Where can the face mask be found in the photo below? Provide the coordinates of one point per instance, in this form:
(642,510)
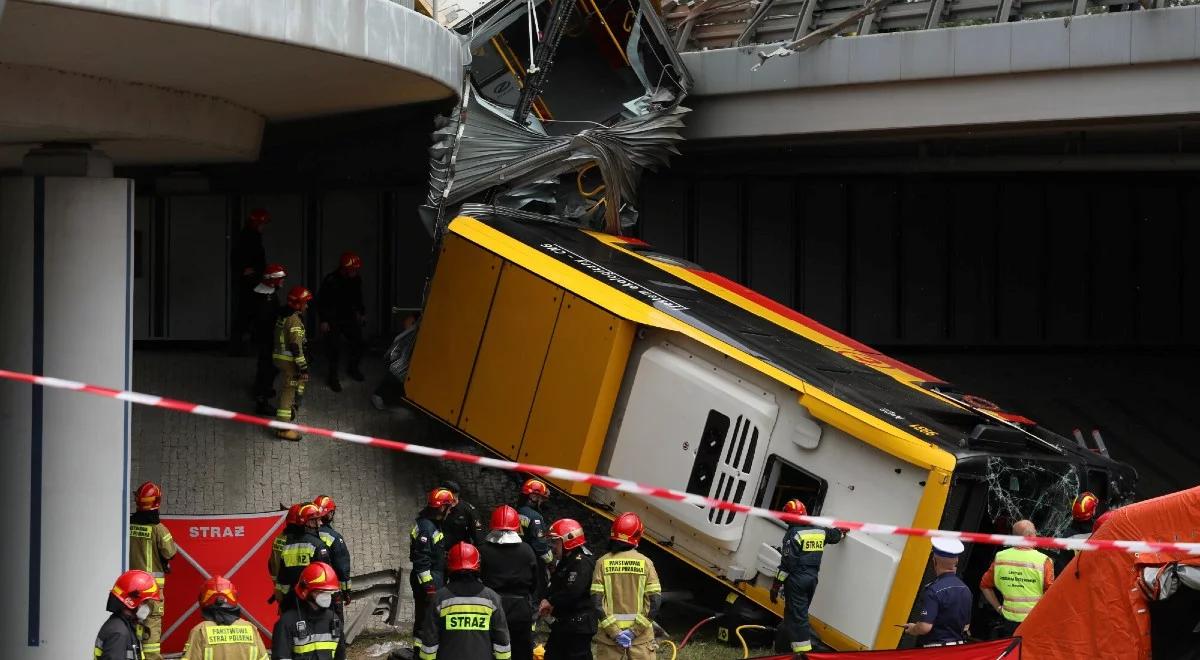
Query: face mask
(323,599)
(143,611)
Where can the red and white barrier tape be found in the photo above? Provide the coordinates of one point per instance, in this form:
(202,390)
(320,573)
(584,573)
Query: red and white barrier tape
(598,480)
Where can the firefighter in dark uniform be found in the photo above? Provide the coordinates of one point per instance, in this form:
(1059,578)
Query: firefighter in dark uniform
(799,563)
(301,548)
(511,570)
(120,638)
(533,525)
(462,524)
(466,619)
(291,526)
(1083,516)
(265,303)
(151,549)
(568,599)
(223,634)
(342,314)
(247,263)
(945,612)
(312,631)
(427,552)
(339,555)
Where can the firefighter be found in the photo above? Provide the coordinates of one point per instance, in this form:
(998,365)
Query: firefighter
(275,561)
(339,556)
(427,552)
(223,634)
(247,264)
(1083,516)
(626,595)
(466,619)
(151,549)
(799,563)
(462,524)
(568,599)
(303,546)
(945,614)
(265,305)
(534,493)
(342,314)
(511,570)
(130,602)
(290,358)
(1021,575)
(312,630)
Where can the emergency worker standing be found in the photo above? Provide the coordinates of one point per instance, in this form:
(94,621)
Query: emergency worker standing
(130,603)
(291,525)
(311,631)
(626,595)
(466,619)
(427,552)
(247,263)
(303,547)
(568,599)
(533,525)
(511,570)
(151,549)
(1083,514)
(462,524)
(339,556)
(945,602)
(342,314)
(265,304)
(799,564)
(223,634)
(1021,575)
(291,358)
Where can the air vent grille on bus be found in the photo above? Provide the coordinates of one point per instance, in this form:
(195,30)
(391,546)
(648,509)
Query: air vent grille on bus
(734,471)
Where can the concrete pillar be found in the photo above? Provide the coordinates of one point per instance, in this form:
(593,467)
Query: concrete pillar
(66,264)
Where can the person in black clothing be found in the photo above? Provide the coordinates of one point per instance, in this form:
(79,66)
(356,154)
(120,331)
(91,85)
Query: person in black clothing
(339,555)
(466,619)
(427,552)
(533,525)
(568,599)
(799,565)
(312,631)
(247,263)
(511,570)
(462,524)
(265,301)
(342,313)
(129,601)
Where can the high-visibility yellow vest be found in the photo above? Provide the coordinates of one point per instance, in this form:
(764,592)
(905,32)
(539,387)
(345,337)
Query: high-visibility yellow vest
(1020,576)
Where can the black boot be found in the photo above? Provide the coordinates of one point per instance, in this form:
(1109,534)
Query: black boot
(335,384)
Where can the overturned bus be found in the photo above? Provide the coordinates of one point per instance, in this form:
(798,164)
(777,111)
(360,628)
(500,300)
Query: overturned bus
(593,352)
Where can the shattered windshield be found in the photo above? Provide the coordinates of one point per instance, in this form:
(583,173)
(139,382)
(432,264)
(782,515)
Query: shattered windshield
(1037,490)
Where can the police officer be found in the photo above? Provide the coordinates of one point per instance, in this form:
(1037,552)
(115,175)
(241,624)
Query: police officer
(799,563)
(462,524)
(626,595)
(511,570)
(466,619)
(130,603)
(342,314)
(427,552)
(151,548)
(223,634)
(568,599)
(945,602)
(247,263)
(265,304)
(291,357)
(311,631)
(302,547)
(339,555)
(533,526)
(1021,575)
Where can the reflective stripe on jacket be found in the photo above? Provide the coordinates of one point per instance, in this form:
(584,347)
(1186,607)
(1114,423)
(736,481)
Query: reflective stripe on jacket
(239,640)
(150,548)
(626,580)
(1020,575)
(290,340)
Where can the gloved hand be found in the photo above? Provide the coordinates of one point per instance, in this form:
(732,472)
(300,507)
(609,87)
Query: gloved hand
(775,587)
(625,638)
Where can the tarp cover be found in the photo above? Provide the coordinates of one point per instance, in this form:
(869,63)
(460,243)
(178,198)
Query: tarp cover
(1095,608)
(1009,649)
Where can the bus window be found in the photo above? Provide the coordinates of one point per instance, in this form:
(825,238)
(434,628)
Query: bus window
(783,481)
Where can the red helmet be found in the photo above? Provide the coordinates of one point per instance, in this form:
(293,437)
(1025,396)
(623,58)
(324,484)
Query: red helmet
(627,528)
(795,506)
(440,497)
(535,487)
(258,217)
(136,587)
(350,261)
(569,532)
(273,273)
(1084,506)
(216,589)
(308,513)
(1102,518)
(317,576)
(298,296)
(325,504)
(293,514)
(506,519)
(463,557)
(148,496)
